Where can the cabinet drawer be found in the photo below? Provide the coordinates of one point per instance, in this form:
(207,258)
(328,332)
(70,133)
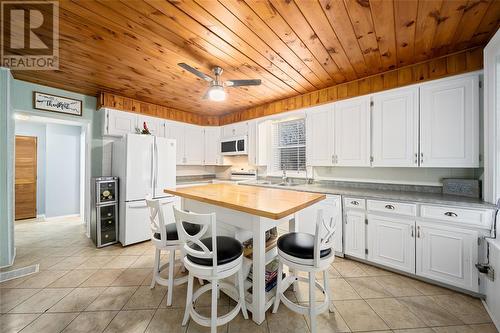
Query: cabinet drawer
(392,207)
(453,214)
(355,203)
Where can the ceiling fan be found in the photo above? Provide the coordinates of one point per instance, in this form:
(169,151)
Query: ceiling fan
(216,90)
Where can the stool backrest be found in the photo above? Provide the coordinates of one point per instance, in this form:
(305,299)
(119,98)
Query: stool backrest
(324,237)
(190,240)
(156,219)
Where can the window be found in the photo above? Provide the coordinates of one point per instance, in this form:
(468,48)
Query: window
(289,145)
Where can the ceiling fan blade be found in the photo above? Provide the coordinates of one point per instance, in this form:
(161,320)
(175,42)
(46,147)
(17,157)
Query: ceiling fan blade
(205,95)
(196,72)
(240,83)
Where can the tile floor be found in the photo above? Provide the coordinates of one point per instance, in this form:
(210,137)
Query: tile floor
(83,289)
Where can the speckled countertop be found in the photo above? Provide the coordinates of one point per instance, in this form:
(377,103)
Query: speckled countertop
(431,197)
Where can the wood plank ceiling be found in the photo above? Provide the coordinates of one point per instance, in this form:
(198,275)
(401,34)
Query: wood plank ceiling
(132,47)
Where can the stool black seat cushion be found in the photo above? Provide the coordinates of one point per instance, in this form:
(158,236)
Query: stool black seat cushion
(299,245)
(228,249)
(172,235)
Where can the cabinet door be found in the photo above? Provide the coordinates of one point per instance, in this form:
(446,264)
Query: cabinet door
(355,240)
(391,242)
(332,209)
(395,128)
(447,254)
(352,132)
(195,145)
(212,146)
(155,125)
(252,143)
(119,123)
(176,131)
(319,135)
(449,123)
(236,129)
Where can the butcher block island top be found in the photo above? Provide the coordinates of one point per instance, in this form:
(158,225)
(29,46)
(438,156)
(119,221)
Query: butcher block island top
(266,202)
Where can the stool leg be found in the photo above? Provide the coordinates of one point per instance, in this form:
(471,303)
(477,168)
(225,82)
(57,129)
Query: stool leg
(242,293)
(171,278)
(189,300)
(312,301)
(279,287)
(156,267)
(328,292)
(213,319)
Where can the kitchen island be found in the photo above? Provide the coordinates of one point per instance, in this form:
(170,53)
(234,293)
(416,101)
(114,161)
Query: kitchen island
(251,211)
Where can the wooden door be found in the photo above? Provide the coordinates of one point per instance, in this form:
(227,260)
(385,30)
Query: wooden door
(352,132)
(391,242)
(395,128)
(25,182)
(449,123)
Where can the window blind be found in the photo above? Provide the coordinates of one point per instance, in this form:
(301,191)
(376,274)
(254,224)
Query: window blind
(289,145)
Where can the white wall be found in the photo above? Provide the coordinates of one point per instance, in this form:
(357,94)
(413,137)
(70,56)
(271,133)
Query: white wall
(62,180)
(39,130)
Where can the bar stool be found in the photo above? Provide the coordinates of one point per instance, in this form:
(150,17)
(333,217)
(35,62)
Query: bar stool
(309,253)
(213,259)
(165,238)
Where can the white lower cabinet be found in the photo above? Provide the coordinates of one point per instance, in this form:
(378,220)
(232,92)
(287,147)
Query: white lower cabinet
(391,242)
(447,254)
(355,235)
(332,209)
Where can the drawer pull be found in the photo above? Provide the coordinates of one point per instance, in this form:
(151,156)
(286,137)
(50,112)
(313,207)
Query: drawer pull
(418,231)
(391,207)
(412,232)
(354,203)
(451,214)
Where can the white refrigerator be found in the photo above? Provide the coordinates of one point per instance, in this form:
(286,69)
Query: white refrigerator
(145,165)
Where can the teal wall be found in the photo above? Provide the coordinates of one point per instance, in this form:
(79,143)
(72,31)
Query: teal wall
(22,100)
(17,96)
(6,172)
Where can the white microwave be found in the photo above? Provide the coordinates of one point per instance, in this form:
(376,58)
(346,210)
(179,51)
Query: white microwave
(234,146)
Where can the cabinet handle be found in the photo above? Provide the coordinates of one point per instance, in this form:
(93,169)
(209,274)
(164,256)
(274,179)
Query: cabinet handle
(412,232)
(451,214)
(416,158)
(391,207)
(418,232)
(354,203)
(421,158)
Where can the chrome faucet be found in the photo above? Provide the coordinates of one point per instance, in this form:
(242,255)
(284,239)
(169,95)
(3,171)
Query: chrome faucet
(284,178)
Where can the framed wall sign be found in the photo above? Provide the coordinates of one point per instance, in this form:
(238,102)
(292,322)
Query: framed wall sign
(54,103)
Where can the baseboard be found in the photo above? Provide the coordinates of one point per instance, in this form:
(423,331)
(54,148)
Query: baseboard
(12,261)
(496,320)
(61,217)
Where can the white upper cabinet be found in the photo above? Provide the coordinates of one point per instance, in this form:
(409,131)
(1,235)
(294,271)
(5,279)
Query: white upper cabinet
(156,126)
(236,129)
(176,131)
(352,132)
(119,123)
(212,146)
(194,145)
(395,128)
(449,122)
(319,135)
(259,141)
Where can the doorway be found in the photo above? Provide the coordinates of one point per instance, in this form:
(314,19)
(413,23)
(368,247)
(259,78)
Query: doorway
(57,166)
(26,177)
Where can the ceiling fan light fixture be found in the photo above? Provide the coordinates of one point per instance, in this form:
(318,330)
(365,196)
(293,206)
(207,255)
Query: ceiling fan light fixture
(216,93)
